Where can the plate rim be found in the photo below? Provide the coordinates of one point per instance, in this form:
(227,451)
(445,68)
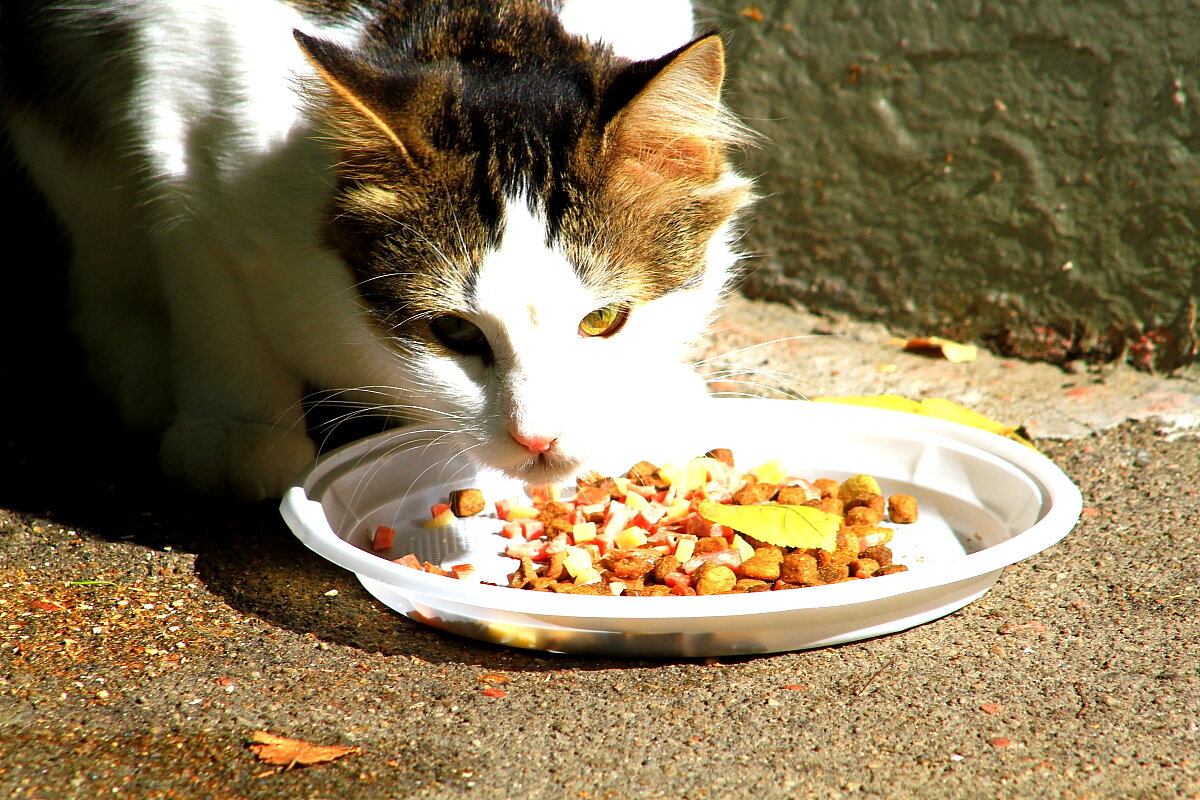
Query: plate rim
(1062,504)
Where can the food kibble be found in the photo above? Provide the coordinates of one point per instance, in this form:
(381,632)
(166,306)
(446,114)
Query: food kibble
(467,502)
(765,565)
(713,578)
(828,487)
(722,454)
(643,534)
(863,567)
(872,501)
(753,493)
(902,508)
(799,569)
(863,515)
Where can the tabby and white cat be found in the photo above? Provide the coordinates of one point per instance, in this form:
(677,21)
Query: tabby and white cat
(486,215)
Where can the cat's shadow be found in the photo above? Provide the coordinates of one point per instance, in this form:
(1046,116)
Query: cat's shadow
(89,477)
(64,457)
(69,462)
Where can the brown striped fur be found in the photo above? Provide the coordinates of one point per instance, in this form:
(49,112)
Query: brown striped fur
(442,117)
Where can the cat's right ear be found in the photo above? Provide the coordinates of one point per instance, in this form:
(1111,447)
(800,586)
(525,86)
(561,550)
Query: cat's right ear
(362,103)
(671,121)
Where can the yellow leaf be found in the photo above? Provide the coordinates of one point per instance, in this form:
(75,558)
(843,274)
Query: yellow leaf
(953,412)
(948,410)
(933,407)
(786,526)
(891,402)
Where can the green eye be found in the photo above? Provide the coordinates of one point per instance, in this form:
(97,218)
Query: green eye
(460,335)
(604,321)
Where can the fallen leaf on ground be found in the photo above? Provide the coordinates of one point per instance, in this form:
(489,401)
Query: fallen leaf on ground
(493,678)
(891,402)
(932,407)
(285,752)
(954,352)
(46,605)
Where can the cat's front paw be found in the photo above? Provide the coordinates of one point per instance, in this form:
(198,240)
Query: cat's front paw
(219,455)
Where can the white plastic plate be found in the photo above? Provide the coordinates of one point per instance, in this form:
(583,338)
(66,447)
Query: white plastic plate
(985,502)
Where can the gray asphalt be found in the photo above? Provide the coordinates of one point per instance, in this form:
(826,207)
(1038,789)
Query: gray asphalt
(147,634)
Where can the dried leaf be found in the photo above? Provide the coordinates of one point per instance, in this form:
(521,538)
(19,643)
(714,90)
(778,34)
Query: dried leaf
(285,752)
(783,525)
(46,605)
(954,352)
(493,678)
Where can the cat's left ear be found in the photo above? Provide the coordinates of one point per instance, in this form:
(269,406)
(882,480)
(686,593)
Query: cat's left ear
(674,125)
(363,100)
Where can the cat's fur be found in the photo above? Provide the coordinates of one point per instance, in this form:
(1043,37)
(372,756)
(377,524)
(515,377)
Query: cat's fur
(268,198)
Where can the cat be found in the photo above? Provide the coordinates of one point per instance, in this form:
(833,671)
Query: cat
(503,219)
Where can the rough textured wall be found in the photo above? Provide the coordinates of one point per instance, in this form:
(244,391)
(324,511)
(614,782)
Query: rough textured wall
(1018,172)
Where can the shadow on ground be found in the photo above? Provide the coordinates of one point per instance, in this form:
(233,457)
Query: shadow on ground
(65,458)
(70,463)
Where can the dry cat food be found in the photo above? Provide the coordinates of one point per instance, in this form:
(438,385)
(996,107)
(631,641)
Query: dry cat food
(699,528)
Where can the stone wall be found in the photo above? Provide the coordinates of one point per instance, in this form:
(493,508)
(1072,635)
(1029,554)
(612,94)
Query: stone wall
(1020,173)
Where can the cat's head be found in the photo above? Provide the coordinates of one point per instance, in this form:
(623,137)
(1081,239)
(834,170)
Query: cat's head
(538,235)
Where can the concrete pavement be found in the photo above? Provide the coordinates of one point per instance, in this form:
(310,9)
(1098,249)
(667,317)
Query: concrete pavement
(147,634)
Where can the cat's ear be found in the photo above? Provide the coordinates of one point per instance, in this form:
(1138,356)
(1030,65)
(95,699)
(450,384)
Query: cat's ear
(675,125)
(363,103)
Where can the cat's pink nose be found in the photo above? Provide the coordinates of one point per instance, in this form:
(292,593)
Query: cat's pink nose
(533,442)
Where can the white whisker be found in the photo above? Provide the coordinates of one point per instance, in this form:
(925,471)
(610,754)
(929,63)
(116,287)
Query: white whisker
(756,346)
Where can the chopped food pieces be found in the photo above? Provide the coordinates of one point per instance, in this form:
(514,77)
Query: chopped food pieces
(698,528)
(440,516)
(382,538)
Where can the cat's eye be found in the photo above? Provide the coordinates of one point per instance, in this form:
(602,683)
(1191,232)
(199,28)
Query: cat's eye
(460,335)
(604,321)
